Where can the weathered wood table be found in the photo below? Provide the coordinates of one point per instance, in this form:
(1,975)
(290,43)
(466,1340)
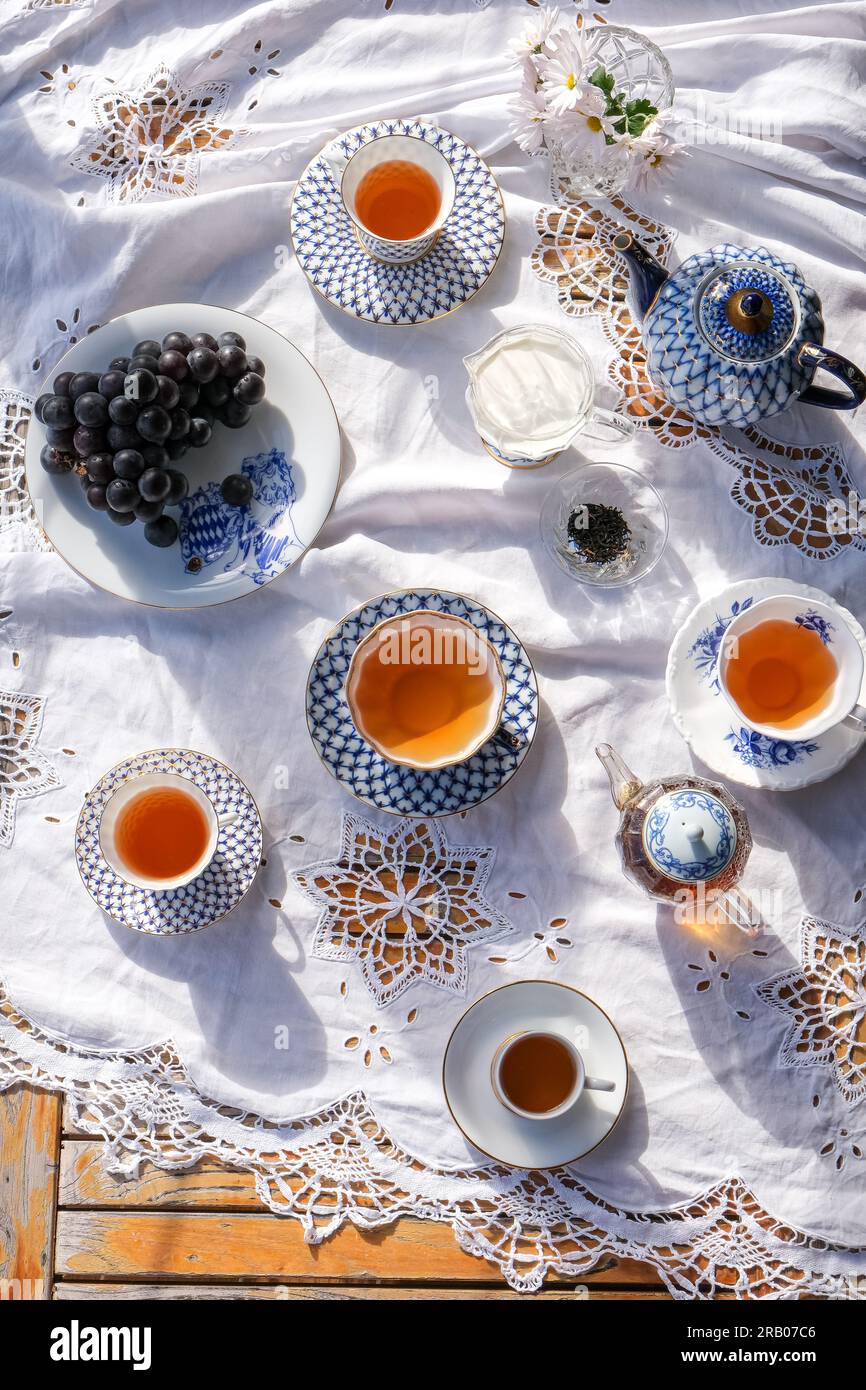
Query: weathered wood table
(68,1230)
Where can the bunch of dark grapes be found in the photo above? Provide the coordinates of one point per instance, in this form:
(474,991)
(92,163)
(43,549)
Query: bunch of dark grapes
(125,432)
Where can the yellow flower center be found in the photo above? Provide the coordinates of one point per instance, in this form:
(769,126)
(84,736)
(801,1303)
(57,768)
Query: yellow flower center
(594,123)
(571,82)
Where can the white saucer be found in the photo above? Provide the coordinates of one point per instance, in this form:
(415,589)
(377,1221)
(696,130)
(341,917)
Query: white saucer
(709,725)
(521,1143)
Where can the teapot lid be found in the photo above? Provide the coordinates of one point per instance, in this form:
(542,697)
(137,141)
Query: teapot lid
(747,311)
(689,835)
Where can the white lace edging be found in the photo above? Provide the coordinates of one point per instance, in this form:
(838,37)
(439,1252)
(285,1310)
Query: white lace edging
(340,1165)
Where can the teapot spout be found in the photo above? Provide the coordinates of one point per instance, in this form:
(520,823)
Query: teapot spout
(624,786)
(646,273)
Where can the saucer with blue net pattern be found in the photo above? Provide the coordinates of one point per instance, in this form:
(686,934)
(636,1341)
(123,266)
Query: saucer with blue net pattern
(218,888)
(341,269)
(406,791)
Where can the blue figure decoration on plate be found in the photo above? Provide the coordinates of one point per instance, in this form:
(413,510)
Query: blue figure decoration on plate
(816,622)
(403,790)
(259,538)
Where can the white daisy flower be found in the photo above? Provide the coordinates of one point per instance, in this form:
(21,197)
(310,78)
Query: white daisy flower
(565,71)
(529,116)
(582,129)
(535,36)
(654,151)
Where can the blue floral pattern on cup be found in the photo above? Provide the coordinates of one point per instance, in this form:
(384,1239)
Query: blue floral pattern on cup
(404,790)
(216,891)
(689,869)
(704,651)
(817,623)
(260,539)
(344,272)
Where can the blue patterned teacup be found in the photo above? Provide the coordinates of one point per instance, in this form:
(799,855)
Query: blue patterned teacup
(804,712)
(388,149)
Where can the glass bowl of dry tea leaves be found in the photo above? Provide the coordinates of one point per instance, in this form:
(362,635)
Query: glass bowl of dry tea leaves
(604,524)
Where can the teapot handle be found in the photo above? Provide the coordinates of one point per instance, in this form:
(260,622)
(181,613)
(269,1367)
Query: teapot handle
(816,355)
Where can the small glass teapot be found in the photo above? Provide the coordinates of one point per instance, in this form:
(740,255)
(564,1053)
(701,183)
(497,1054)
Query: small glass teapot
(679,835)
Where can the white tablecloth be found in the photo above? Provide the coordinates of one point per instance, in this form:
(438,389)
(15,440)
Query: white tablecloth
(422,504)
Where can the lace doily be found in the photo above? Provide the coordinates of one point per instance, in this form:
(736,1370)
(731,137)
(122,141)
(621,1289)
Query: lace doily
(24,771)
(19,526)
(151,142)
(341,1165)
(825,1003)
(786,499)
(404,903)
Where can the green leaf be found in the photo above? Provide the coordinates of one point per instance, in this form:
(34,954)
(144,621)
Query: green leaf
(638,114)
(603,79)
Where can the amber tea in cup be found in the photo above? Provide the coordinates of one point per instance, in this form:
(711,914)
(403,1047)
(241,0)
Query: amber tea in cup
(793,665)
(425,689)
(159,830)
(161,833)
(782,673)
(397,200)
(537,1073)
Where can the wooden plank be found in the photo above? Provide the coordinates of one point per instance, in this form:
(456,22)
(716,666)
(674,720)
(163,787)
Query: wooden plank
(66,1291)
(29,1160)
(69,1129)
(128,1246)
(84,1182)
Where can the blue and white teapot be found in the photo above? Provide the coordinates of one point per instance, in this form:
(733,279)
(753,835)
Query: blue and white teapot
(735,334)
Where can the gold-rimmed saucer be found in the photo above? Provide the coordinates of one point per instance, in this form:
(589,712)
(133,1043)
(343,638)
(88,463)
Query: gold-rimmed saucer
(535,1005)
(403,790)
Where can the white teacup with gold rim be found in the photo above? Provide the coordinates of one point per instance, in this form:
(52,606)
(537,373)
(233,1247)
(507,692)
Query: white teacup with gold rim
(425,689)
(159,831)
(540,1074)
(792,668)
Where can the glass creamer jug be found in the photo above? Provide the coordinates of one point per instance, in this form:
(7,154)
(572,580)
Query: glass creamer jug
(683,837)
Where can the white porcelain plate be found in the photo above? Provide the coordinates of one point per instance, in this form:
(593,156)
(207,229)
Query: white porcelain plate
(709,725)
(486,1123)
(290,449)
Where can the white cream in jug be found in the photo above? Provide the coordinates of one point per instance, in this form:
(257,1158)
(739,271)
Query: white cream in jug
(531,390)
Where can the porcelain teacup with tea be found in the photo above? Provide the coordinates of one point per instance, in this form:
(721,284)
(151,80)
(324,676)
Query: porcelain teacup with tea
(159,831)
(539,1074)
(398,190)
(791,668)
(425,689)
